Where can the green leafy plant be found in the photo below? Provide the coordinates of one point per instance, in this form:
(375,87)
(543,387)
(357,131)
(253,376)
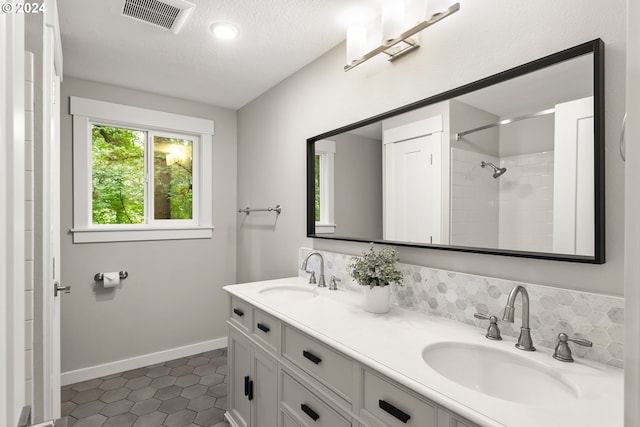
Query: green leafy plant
(376,268)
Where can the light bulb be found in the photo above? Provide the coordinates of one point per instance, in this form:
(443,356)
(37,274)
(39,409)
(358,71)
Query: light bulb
(392,19)
(356,43)
(433,7)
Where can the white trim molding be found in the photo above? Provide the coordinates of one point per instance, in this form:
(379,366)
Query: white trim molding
(87,112)
(91,372)
(126,114)
(12,243)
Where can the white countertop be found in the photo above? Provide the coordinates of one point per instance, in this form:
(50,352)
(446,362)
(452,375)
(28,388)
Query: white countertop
(393,343)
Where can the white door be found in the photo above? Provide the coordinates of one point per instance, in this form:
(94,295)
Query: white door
(573,191)
(12,326)
(413,183)
(51,221)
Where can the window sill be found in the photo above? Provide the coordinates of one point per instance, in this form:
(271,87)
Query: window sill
(325,228)
(128,234)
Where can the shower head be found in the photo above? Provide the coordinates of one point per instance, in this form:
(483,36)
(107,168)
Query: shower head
(497,172)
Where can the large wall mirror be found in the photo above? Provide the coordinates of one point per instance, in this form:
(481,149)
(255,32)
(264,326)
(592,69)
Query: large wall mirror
(512,164)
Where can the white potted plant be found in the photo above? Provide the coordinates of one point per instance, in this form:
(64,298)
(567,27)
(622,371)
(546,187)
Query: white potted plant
(376,270)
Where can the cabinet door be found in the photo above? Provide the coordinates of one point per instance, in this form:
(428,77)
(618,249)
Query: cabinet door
(240,375)
(265,388)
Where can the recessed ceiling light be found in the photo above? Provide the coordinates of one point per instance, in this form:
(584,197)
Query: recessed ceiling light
(223,30)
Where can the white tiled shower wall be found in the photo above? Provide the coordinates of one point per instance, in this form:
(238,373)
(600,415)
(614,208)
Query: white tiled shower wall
(599,318)
(514,211)
(474,200)
(526,202)
(28,225)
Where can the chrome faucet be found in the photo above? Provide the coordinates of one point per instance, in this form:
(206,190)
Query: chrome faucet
(563,352)
(321,282)
(524,341)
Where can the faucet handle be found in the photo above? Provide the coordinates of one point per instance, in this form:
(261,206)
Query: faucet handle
(563,351)
(333,285)
(493,332)
(312,278)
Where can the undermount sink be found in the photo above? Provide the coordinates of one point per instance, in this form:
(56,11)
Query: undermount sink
(290,291)
(498,373)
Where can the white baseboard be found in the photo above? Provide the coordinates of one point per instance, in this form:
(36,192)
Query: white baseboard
(103,370)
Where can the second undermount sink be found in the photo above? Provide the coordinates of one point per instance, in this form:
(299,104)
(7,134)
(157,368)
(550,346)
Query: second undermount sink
(498,373)
(290,291)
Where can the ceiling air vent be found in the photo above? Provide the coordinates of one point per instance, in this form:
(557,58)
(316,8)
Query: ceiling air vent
(167,14)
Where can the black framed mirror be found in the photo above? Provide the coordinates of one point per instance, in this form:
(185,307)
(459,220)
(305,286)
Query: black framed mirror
(512,164)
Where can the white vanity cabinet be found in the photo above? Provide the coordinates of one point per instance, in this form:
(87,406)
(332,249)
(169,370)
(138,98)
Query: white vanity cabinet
(253,381)
(282,377)
(254,339)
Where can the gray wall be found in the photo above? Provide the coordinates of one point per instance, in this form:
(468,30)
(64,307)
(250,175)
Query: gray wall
(465,117)
(173,295)
(533,135)
(481,39)
(358,187)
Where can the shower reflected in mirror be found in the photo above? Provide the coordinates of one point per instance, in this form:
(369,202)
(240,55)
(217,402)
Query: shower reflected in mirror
(497,172)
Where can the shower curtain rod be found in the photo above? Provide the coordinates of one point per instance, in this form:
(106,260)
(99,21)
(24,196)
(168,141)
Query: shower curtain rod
(504,122)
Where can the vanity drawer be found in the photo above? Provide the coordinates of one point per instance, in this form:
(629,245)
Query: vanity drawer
(331,367)
(308,408)
(266,330)
(393,406)
(288,422)
(241,314)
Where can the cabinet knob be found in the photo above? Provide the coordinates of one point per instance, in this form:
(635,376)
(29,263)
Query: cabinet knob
(310,412)
(312,357)
(393,411)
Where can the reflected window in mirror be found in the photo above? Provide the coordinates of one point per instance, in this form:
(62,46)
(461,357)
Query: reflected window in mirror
(325,151)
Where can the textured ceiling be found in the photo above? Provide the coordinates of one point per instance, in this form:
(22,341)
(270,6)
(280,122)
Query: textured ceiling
(277,38)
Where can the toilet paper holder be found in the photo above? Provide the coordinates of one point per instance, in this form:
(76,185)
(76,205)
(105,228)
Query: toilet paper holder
(99,277)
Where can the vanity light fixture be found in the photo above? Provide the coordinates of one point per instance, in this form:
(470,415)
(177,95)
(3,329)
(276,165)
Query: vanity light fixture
(224,30)
(395,42)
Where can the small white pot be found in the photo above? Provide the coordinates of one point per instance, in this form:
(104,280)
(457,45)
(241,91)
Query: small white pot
(376,299)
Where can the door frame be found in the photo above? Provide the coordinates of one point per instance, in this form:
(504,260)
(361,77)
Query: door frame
(12,243)
(50,225)
(632,223)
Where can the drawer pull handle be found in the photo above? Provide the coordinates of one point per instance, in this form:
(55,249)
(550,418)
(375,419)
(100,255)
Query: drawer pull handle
(393,411)
(246,386)
(310,412)
(315,359)
(239,312)
(250,394)
(264,328)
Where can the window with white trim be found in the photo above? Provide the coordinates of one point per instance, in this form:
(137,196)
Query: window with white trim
(325,151)
(139,174)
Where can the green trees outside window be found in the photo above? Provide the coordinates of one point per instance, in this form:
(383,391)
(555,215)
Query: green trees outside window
(118,176)
(172,174)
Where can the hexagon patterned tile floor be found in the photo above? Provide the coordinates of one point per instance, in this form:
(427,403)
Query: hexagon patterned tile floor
(190,391)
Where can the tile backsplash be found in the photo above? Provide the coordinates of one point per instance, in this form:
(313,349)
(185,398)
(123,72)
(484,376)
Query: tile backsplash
(596,317)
